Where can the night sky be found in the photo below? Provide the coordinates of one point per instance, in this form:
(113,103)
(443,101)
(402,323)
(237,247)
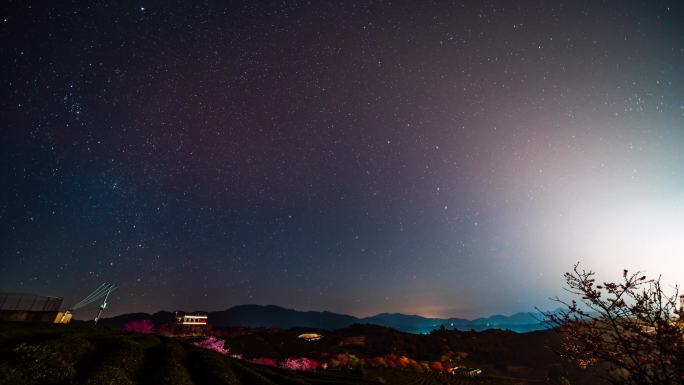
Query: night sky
(435,158)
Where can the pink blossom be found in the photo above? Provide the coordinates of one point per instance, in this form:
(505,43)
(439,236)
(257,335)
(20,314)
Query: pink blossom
(212,343)
(301,363)
(144,326)
(266,361)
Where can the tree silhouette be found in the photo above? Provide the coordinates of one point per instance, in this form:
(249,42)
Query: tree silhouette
(633,325)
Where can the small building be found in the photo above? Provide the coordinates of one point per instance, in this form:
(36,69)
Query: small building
(466,372)
(32,308)
(191,323)
(310,336)
(63,317)
(191,319)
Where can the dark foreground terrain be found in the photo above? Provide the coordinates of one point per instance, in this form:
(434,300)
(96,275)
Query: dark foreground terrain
(522,358)
(85,354)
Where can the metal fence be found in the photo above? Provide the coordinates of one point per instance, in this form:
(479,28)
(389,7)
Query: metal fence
(29,302)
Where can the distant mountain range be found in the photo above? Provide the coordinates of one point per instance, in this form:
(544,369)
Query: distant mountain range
(278,317)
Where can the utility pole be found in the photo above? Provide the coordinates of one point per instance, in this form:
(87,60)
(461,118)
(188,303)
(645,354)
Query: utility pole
(103,290)
(104,304)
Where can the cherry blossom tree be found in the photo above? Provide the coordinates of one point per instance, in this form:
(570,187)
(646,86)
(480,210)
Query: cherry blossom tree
(436,366)
(301,363)
(266,361)
(633,324)
(214,344)
(144,326)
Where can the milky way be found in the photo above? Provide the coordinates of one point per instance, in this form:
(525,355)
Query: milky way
(439,158)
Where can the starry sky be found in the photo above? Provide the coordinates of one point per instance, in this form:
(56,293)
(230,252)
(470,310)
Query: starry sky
(442,158)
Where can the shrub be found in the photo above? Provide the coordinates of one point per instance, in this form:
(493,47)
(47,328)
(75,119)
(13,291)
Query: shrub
(41,365)
(249,376)
(147,340)
(353,360)
(109,375)
(122,358)
(210,368)
(72,348)
(379,362)
(436,366)
(120,352)
(11,375)
(391,360)
(171,369)
(415,365)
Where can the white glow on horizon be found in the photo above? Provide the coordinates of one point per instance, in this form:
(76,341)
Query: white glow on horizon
(647,237)
(610,204)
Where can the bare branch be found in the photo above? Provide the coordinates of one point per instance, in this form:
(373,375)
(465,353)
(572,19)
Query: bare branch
(632,324)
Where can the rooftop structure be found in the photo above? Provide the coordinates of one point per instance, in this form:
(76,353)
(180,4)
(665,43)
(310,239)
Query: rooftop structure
(29,307)
(191,319)
(463,371)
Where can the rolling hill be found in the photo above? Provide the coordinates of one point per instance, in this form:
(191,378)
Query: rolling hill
(279,317)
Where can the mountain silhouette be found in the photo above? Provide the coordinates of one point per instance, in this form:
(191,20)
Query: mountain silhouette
(271,316)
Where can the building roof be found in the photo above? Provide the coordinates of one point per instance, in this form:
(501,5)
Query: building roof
(29,302)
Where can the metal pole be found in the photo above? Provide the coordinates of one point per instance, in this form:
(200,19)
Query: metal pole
(103,306)
(97,316)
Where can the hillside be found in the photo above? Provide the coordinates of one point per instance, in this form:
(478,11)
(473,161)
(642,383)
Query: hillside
(33,354)
(527,357)
(80,353)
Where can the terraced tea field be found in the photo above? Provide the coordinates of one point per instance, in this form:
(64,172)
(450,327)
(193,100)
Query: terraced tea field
(33,354)
(409,377)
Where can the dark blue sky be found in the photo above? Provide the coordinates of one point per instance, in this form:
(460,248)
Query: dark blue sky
(440,158)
